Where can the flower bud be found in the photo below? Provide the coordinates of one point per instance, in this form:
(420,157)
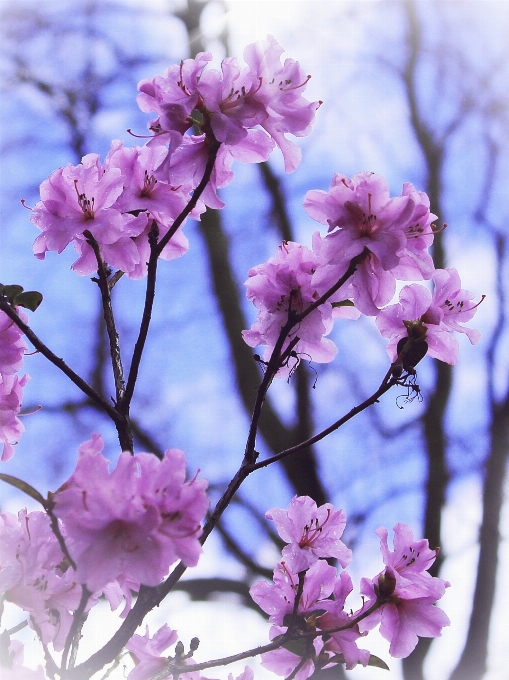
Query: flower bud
(386,585)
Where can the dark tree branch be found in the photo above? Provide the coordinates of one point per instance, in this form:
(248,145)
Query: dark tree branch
(125,432)
(156,248)
(60,363)
(373,399)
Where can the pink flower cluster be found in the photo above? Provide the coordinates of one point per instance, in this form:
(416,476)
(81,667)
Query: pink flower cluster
(393,233)
(121,529)
(226,105)
(35,575)
(279,287)
(401,598)
(116,202)
(430,316)
(408,593)
(119,201)
(143,516)
(373,241)
(12,350)
(146,652)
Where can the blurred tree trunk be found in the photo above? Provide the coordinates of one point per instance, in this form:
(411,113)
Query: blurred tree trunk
(473,662)
(433,419)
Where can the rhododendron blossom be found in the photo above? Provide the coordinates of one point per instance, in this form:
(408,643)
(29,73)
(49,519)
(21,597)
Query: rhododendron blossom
(283,286)
(279,90)
(342,641)
(431,317)
(11,427)
(146,652)
(405,616)
(278,598)
(408,593)
(392,233)
(230,101)
(12,345)
(80,198)
(135,521)
(311,532)
(144,193)
(33,575)
(410,559)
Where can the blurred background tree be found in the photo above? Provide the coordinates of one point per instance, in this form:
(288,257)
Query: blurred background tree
(416,91)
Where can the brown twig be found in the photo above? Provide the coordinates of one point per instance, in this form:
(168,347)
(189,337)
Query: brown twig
(60,363)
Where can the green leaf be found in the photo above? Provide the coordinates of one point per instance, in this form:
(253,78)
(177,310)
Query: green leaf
(23,486)
(15,295)
(10,292)
(30,299)
(343,303)
(377,663)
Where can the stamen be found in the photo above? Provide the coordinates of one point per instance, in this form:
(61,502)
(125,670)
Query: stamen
(149,183)
(295,87)
(144,136)
(415,230)
(86,205)
(29,413)
(469,309)
(311,533)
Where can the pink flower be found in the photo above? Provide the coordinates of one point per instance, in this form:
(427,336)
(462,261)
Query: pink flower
(173,97)
(133,522)
(393,233)
(80,198)
(404,618)
(32,575)
(344,641)
(141,190)
(229,102)
(144,193)
(147,651)
(312,532)
(278,598)
(278,88)
(430,317)
(11,426)
(410,560)
(224,106)
(407,592)
(281,284)
(12,345)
